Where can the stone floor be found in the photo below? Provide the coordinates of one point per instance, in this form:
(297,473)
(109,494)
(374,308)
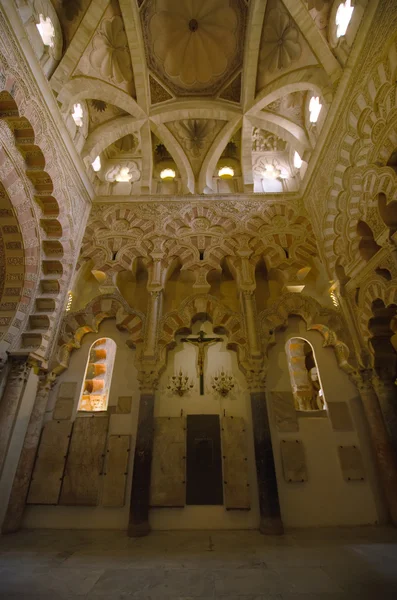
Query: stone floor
(322,564)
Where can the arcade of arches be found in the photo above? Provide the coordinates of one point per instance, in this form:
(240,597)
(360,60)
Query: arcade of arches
(198,264)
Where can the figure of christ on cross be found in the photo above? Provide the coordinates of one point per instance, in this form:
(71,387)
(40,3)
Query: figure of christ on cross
(201,342)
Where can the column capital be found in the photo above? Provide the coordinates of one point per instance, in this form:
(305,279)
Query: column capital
(155,293)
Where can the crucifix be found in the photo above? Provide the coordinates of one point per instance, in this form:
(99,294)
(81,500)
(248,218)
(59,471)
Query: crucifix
(201,342)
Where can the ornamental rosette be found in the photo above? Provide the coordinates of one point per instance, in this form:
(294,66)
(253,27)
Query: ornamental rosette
(110,55)
(195,134)
(194,39)
(280,42)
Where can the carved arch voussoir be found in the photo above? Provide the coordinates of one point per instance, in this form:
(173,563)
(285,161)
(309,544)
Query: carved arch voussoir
(76,325)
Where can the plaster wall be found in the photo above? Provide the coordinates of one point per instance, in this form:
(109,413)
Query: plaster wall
(124,383)
(237,403)
(326,499)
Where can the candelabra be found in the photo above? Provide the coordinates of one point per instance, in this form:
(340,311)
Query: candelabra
(179,384)
(223,383)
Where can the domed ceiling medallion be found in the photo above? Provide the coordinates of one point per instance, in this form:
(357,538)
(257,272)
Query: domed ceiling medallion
(194,46)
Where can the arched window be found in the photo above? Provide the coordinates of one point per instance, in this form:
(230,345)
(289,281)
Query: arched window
(304,375)
(98,376)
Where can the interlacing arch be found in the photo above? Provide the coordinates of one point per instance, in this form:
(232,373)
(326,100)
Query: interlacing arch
(364,185)
(199,238)
(370,139)
(202,306)
(76,325)
(317,318)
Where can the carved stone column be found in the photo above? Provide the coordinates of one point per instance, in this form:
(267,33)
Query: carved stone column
(384,453)
(10,401)
(138,525)
(386,391)
(269,506)
(20,487)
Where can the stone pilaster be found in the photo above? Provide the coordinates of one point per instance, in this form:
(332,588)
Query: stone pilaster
(386,391)
(152,321)
(247,298)
(384,453)
(138,525)
(10,402)
(269,506)
(20,487)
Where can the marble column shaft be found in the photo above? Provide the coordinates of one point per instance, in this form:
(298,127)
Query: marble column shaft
(10,402)
(384,453)
(269,505)
(140,493)
(20,487)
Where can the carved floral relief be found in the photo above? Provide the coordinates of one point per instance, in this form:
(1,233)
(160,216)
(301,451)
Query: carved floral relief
(110,54)
(194,134)
(194,39)
(280,42)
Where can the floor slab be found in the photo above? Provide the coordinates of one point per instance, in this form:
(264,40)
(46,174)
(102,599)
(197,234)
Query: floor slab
(319,564)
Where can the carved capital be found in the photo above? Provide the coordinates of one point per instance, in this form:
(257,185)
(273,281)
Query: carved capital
(384,386)
(20,367)
(363,380)
(148,378)
(247,292)
(46,382)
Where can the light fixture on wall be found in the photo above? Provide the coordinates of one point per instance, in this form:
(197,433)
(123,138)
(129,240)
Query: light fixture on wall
(226,173)
(342,18)
(46,31)
(223,383)
(179,384)
(124,175)
(167,174)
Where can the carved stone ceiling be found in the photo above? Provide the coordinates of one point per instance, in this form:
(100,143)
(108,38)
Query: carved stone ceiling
(193,73)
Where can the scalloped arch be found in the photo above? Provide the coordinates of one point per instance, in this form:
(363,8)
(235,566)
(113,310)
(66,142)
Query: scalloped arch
(202,305)
(313,314)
